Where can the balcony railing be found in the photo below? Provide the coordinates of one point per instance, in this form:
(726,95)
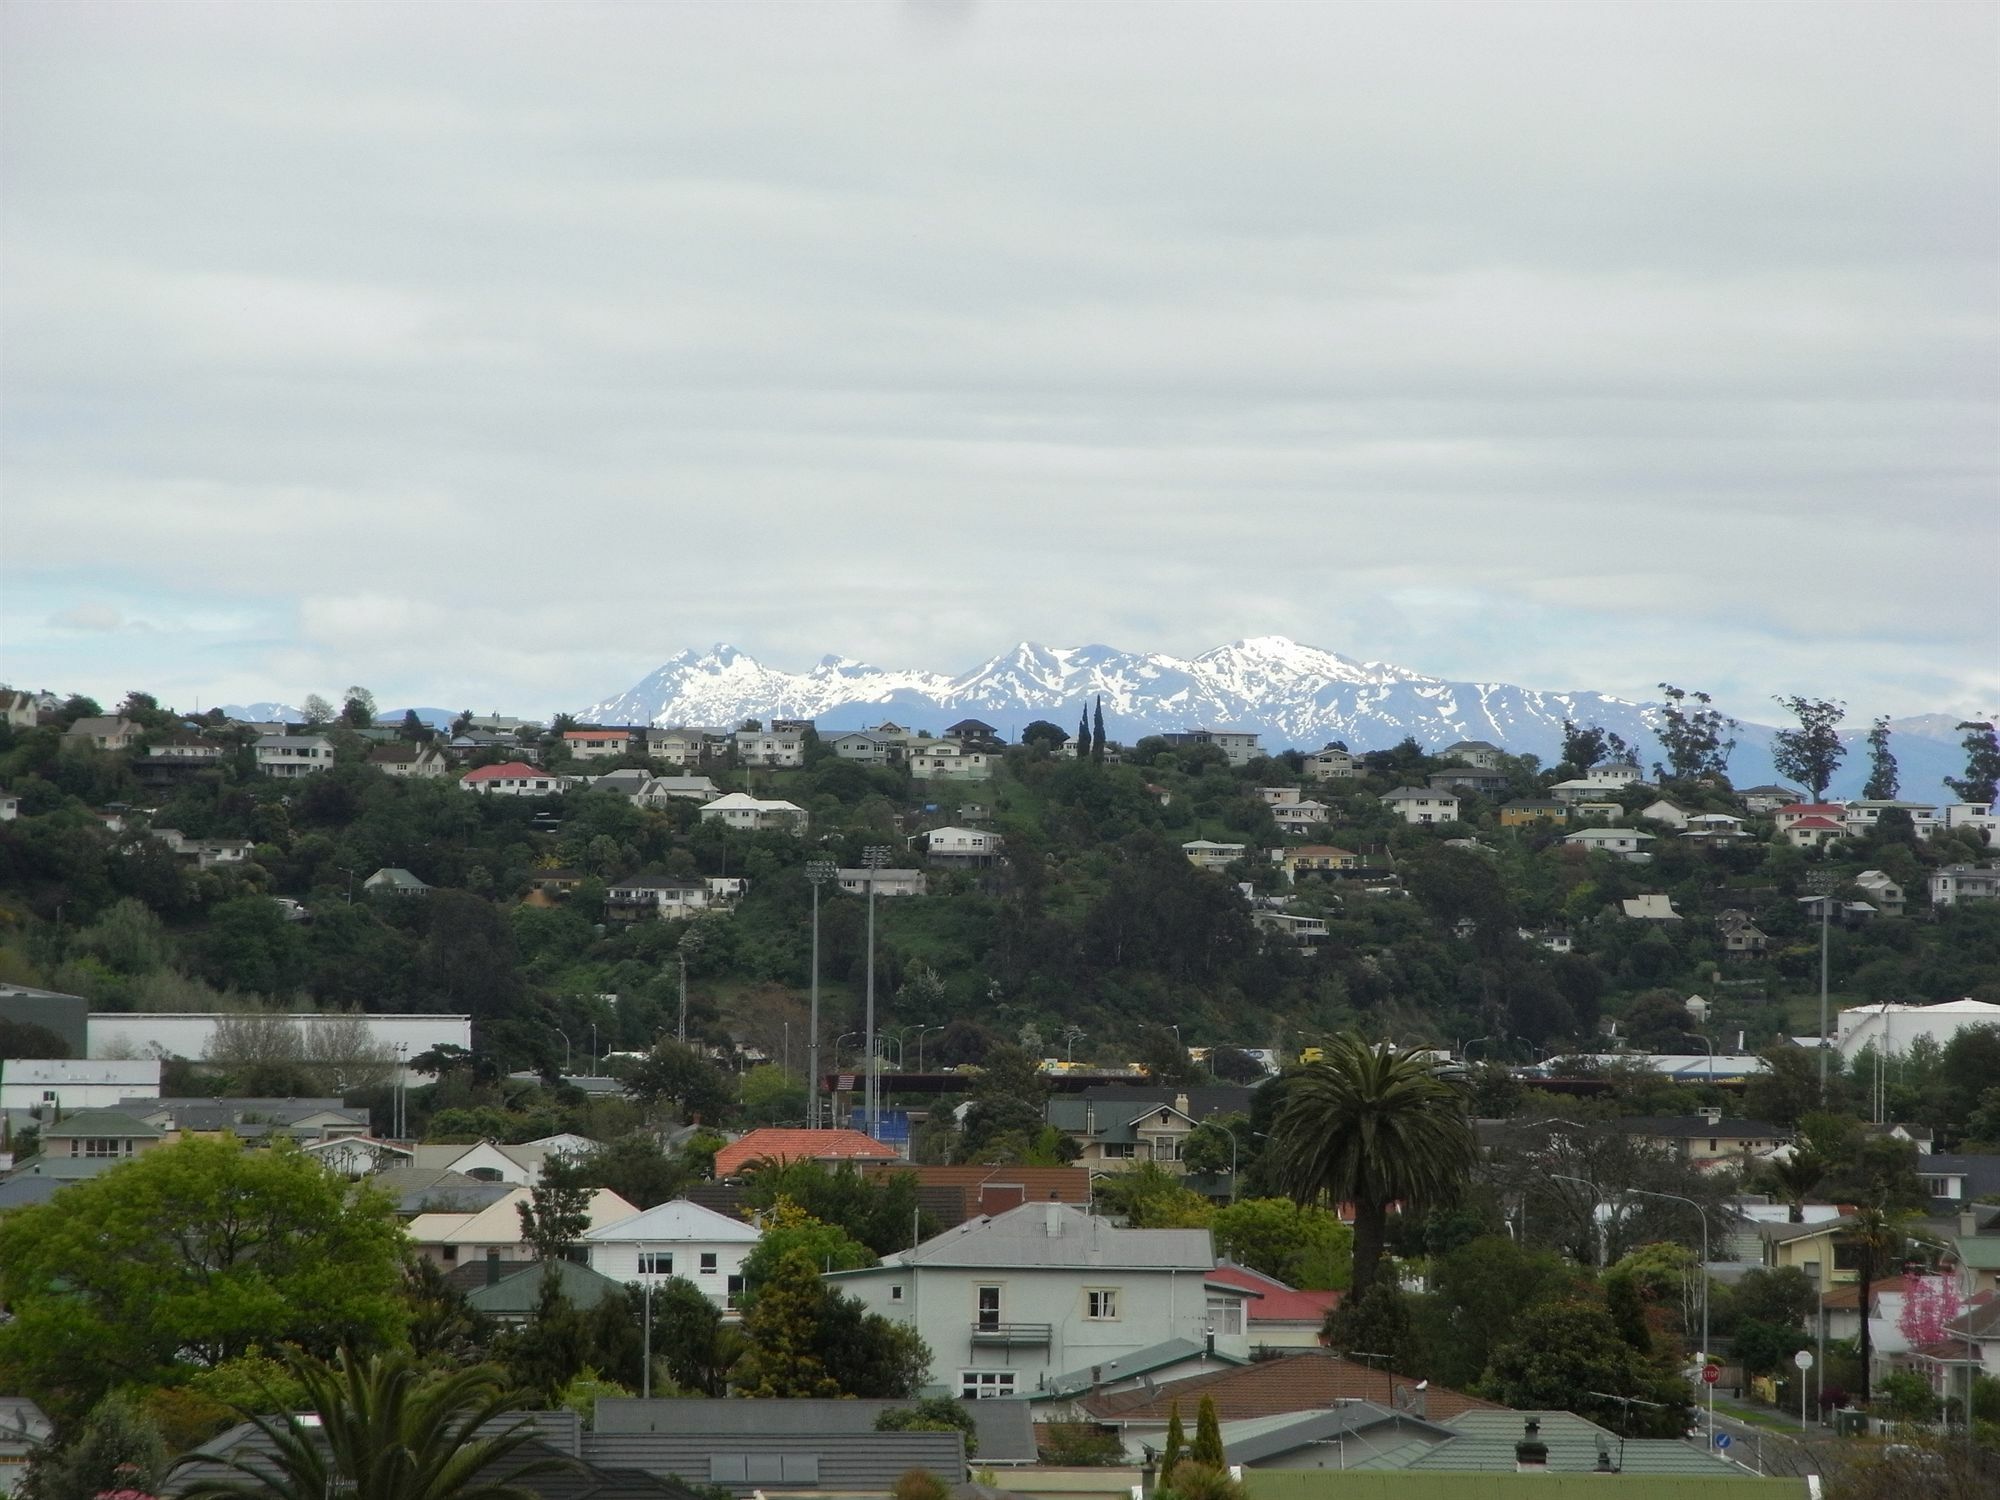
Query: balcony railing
(1012,1335)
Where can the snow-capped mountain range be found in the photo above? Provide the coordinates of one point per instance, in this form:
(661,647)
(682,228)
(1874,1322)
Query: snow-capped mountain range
(1294,695)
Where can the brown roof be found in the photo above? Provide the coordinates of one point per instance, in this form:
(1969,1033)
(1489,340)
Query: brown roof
(777,1145)
(1848,1294)
(1300,1382)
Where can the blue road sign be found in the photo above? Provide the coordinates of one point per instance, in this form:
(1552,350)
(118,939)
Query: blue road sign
(1723,1440)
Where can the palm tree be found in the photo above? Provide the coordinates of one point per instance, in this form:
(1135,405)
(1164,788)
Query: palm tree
(386,1430)
(1794,1180)
(1876,1235)
(1371,1126)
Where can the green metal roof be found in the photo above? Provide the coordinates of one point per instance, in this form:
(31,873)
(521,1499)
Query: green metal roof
(1486,1443)
(1412,1484)
(1979,1251)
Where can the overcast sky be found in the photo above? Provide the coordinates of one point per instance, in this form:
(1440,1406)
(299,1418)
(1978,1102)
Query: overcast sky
(488,354)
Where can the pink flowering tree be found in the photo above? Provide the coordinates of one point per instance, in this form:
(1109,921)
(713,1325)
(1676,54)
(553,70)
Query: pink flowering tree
(1930,1304)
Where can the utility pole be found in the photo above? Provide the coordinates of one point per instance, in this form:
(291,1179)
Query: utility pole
(818,871)
(681,1026)
(872,858)
(1822,882)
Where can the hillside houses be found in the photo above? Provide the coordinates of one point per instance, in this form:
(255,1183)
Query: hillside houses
(290,756)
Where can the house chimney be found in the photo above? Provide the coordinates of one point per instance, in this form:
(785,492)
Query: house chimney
(1968,1223)
(1054,1220)
(1181,1103)
(1531,1454)
(1711,1114)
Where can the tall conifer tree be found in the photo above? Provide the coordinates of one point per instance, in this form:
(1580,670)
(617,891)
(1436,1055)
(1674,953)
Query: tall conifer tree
(1097,735)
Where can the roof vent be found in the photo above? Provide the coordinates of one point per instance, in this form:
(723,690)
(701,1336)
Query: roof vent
(1531,1454)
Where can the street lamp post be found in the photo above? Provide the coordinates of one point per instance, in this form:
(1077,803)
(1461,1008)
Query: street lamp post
(1702,1037)
(872,858)
(1677,1198)
(818,872)
(646,1355)
(1071,1036)
(922,1031)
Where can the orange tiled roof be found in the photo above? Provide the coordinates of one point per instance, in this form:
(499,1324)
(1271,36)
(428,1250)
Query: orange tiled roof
(773,1144)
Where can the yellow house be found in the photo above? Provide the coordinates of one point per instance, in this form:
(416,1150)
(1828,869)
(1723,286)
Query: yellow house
(1816,1249)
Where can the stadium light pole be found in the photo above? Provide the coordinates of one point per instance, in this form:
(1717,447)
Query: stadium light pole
(818,871)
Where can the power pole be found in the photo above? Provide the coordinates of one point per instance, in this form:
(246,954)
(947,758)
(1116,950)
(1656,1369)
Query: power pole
(818,872)
(872,858)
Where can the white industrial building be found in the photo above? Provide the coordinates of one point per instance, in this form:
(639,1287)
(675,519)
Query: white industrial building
(187,1033)
(70,1084)
(1892,1028)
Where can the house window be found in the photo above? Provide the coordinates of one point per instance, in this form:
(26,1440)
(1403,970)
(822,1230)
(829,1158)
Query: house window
(1225,1315)
(100,1146)
(1118,1150)
(708,1262)
(984,1385)
(450,1253)
(987,1303)
(733,1295)
(896,1293)
(1101,1304)
(1168,1149)
(656,1263)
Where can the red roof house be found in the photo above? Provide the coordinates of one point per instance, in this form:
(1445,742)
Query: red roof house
(777,1146)
(1277,1313)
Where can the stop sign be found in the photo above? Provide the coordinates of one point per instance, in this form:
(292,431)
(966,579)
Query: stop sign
(1710,1374)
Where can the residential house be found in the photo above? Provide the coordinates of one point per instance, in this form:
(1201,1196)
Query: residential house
(1207,854)
(1820,1249)
(1470,779)
(774,1146)
(101,732)
(1331,764)
(1741,937)
(287,757)
(1007,1303)
(1625,843)
(1478,753)
(1767,799)
(20,709)
(973,730)
(357,1156)
(1977,818)
(498,723)
(725,890)
(1958,883)
(395,881)
(1708,1138)
(1969,1350)
(1116,1128)
(514,778)
(1240,747)
(211,853)
(864,747)
(1415,804)
(742,811)
(594,742)
(954,1194)
(1713,827)
(494,1232)
(684,746)
(171,757)
(549,887)
(409,761)
(473,743)
(856,882)
(774,749)
(623,782)
(1811,832)
(1795,812)
(1278,796)
(1953,1181)
(961,847)
(1278,1316)
(10,807)
(676,1238)
(88,1142)
(660,791)
(640,896)
(1881,892)
(485,1161)
(1865,815)
(1651,907)
(1665,812)
(25,1429)
(1304,933)
(1975,1250)
(947,760)
(1301,816)
(1314,859)
(52,1085)
(509,1292)
(1523,811)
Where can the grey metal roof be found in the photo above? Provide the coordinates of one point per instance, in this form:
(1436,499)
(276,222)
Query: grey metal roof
(848,1462)
(1160,1356)
(1260,1438)
(1055,1236)
(1485,1440)
(1005,1427)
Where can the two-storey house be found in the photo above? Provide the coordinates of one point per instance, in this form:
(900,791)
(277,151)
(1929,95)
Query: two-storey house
(101,732)
(1480,753)
(287,757)
(1416,804)
(494,1232)
(1209,854)
(1238,746)
(676,1238)
(594,742)
(1331,764)
(741,810)
(947,760)
(1314,859)
(1626,843)
(961,847)
(1301,816)
(774,749)
(1009,1303)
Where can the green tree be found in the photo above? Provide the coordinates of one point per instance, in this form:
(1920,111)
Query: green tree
(788,1230)
(1303,1245)
(1875,1237)
(555,1217)
(1150,1197)
(188,1256)
(386,1429)
(1487,1288)
(1794,1180)
(780,1327)
(357,708)
(1569,1357)
(1372,1126)
(1882,778)
(689,1336)
(1691,732)
(1207,1447)
(1009,1099)
(1097,734)
(932,1414)
(117,1448)
(1981,781)
(316,711)
(675,1072)
(1174,1450)
(1811,753)
(1041,732)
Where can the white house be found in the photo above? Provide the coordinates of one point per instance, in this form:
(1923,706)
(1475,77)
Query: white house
(1663,811)
(1239,747)
(98,732)
(1008,1302)
(658,791)
(1976,817)
(1278,796)
(677,1238)
(961,846)
(290,756)
(1211,855)
(411,762)
(945,760)
(1865,815)
(865,747)
(485,1161)
(1626,843)
(514,778)
(886,882)
(1478,753)
(597,743)
(741,810)
(1330,764)
(494,1232)
(684,747)
(10,807)
(656,895)
(1891,1028)
(1955,883)
(773,748)
(70,1084)
(1418,804)
(1881,891)
(1300,816)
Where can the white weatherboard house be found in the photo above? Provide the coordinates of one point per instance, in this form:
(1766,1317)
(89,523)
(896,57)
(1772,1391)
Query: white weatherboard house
(494,1232)
(1010,1302)
(681,1239)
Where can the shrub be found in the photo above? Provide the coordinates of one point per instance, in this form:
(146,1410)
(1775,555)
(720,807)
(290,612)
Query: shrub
(1080,1445)
(919,1484)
